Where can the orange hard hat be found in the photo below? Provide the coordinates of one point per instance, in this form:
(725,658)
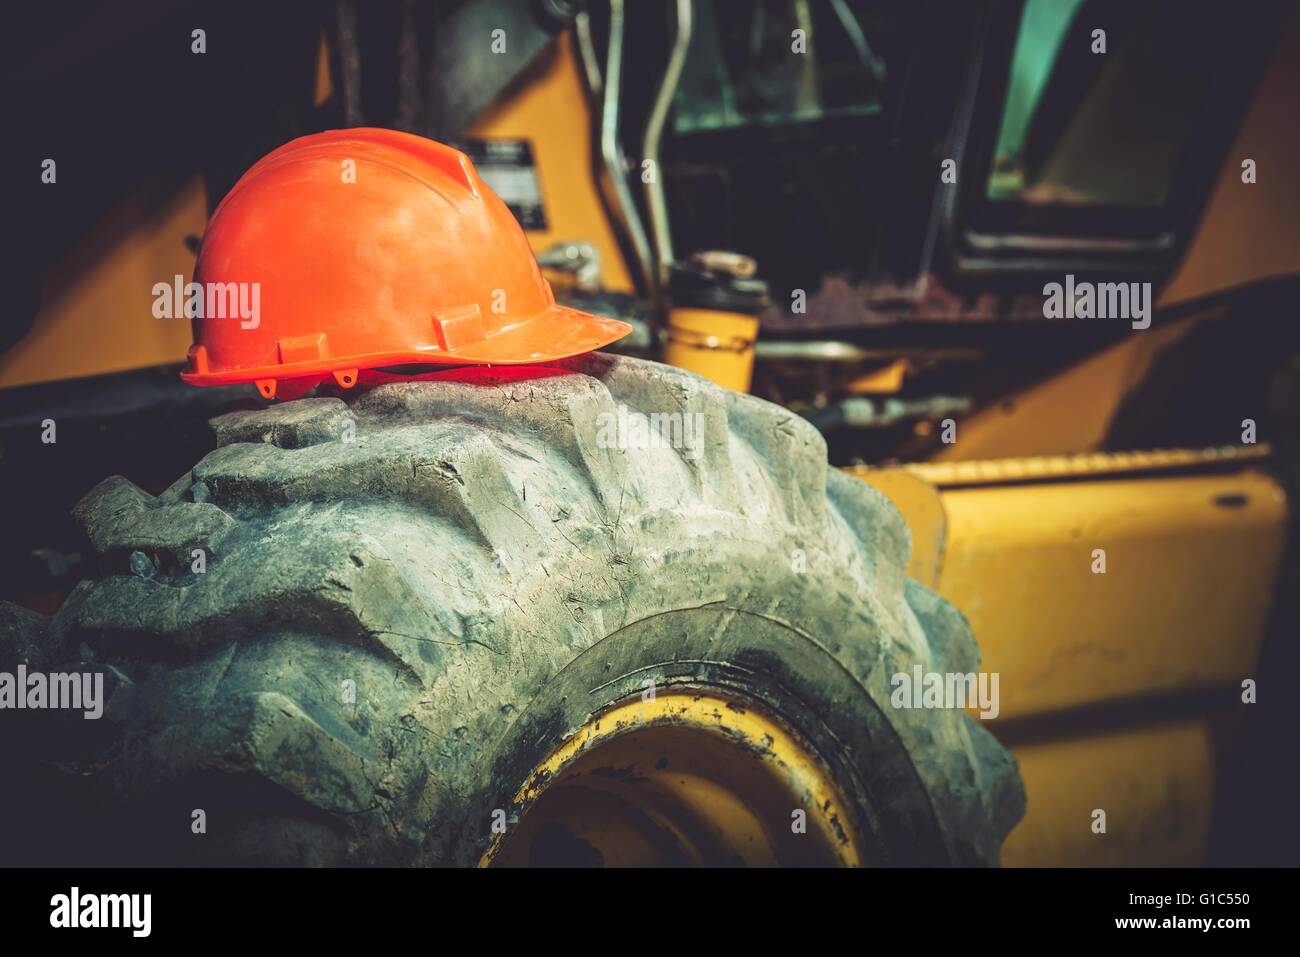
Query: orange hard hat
(353,249)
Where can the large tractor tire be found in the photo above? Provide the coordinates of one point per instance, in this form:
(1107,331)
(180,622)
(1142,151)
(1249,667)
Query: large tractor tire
(465,619)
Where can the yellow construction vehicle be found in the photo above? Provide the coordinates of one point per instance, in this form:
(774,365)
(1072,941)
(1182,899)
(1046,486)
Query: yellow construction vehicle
(1023,270)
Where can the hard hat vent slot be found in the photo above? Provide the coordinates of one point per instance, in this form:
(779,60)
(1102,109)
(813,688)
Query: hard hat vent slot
(304,348)
(198,357)
(456,328)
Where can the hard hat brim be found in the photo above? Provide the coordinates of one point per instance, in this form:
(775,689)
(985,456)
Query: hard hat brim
(557,333)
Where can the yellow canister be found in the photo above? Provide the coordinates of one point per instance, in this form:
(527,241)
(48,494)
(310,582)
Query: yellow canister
(716,345)
(713,324)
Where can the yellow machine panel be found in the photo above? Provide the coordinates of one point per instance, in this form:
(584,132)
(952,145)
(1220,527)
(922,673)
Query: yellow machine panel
(1152,783)
(1190,563)
(1190,554)
(99,318)
(550,112)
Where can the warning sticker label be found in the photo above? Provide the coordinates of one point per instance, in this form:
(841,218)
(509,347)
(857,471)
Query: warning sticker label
(507,167)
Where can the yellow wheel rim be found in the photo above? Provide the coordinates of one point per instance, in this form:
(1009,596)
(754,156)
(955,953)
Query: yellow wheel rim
(686,778)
